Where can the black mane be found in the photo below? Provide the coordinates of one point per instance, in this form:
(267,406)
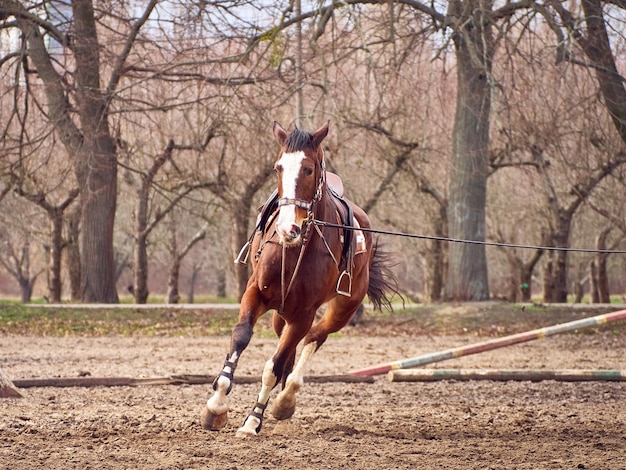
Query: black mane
(298,140)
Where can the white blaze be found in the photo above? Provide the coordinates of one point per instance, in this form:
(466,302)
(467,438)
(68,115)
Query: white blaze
(290,163)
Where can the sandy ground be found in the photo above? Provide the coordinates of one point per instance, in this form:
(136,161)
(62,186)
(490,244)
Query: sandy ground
(384,425)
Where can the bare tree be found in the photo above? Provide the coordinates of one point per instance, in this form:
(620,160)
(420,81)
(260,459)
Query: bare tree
(614,223)
(177,255)
(16,260)
(471,24)
(147,220)
(555,277)
(55,213)
(79,112)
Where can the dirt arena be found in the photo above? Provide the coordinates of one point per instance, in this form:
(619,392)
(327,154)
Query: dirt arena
(380,425)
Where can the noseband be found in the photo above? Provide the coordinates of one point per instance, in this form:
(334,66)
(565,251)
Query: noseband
(294,201)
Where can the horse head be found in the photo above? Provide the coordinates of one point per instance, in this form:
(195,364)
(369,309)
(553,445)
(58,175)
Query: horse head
(301,177)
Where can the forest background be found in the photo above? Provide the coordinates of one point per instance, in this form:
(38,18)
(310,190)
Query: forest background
(136,144)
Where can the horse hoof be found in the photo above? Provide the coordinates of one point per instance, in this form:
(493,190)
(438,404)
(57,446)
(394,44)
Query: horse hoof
(243,434)
(284,428)
(284,408)
(212,421)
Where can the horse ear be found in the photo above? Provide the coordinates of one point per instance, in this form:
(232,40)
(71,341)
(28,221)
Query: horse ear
(320,134)
(279,133)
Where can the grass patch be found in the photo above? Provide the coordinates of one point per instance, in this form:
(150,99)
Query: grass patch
(489,319)
(64,321)
(200,299)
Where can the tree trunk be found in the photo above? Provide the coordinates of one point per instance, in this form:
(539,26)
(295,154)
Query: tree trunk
(140,255)
(556,280)
(192,283)
(526,282)
(436,262)
(72,253)
(579,284)
(597,46)
(221,283)
(96,164)
(140,268)
(24,278)
(56,249)
(26,289)
(521,276)
(602,278)
(242,273)
(593,276)
(98,175)
(173,296)
(467,269)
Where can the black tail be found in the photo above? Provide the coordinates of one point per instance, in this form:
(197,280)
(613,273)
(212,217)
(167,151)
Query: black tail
(383,283)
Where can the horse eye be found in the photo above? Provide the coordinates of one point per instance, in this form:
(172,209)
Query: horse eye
(308,171)
(277,168)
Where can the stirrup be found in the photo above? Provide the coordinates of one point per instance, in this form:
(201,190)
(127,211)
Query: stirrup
(244,253)
(346,293)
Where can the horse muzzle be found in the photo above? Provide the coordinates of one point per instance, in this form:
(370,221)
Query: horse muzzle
(288,227)
(289,234)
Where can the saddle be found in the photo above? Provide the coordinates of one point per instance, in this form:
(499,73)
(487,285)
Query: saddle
(345,217)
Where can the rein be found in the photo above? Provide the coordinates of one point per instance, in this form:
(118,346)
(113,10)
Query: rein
(284,292)
(309,206)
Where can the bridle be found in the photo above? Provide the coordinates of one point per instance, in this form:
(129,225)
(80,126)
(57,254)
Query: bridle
(302,203)
(308,206)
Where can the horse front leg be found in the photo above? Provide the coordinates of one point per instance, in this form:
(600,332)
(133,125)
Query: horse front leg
(214,415)
(274,371)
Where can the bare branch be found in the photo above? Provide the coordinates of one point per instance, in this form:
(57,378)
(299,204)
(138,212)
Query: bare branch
(116,74)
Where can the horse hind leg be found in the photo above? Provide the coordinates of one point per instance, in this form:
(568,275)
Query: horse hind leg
(333,320)
(285,404)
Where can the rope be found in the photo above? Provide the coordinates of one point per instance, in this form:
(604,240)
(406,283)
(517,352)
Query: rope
(474,242)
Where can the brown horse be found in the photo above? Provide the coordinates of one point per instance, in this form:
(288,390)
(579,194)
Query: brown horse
(299,265)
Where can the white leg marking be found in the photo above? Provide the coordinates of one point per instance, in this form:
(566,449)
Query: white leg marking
(218,403)
(297,375)
(287,398)
(251,423)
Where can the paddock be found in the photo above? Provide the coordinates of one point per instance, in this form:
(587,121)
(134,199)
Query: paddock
(368,424)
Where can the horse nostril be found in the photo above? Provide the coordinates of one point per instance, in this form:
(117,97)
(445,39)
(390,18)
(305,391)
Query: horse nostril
(295,231)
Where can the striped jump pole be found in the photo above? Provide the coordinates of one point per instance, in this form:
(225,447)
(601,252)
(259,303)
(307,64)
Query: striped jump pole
(503,375)
(492,344)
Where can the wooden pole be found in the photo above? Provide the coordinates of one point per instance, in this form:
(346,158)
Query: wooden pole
(62,382)
(492,344)
(566,375)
